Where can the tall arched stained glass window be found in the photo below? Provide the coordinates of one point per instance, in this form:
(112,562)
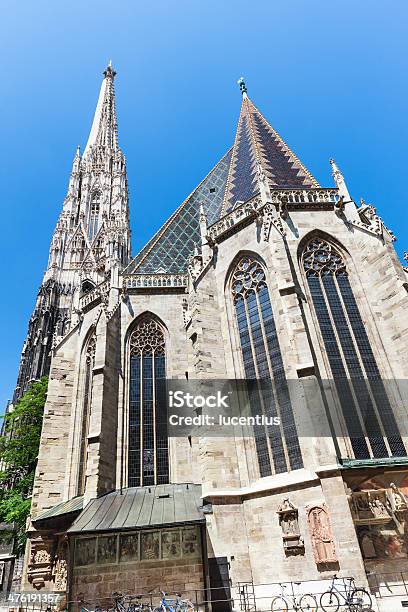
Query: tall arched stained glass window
(148,461)
(277,447)
(94,214)
(86,412)
(366,408)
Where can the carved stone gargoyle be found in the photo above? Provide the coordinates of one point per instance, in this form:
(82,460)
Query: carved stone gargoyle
(288,520)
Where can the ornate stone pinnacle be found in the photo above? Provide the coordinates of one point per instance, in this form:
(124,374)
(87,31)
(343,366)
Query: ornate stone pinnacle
(406,255)
(109,71)
(243,87)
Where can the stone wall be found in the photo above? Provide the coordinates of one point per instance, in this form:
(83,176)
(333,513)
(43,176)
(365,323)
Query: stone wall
(138,578)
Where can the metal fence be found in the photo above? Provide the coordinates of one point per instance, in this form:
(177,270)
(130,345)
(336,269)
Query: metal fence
(242,597)
(390,584)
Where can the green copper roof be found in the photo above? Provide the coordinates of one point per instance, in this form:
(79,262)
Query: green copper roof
(72,505)
(142,507)
(374,463)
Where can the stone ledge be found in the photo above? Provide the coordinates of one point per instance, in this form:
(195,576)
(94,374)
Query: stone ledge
(272,484)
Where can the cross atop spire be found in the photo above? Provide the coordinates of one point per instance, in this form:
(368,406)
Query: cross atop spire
(104,126)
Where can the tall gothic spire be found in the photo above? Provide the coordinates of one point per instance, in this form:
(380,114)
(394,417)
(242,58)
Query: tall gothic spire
(104,130)
(261,159)
(91,241)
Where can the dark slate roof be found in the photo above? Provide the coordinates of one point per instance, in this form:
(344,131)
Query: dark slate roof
(73,505)
(141,507)
(233,179)
(257,142)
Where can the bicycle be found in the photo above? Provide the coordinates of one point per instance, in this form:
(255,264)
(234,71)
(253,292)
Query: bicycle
(357,599)
(83,607)
(119,603)
(176,605)
(140,606)
(306,603)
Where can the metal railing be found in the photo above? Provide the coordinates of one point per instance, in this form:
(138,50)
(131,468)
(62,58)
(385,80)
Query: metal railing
(242,596)
(390,584)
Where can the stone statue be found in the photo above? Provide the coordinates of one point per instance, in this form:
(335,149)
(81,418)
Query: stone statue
(288,520)
(398,501)
(378,508)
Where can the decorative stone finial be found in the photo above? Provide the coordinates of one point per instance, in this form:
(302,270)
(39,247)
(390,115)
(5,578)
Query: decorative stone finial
(109,71)
(243,87)
(406,255)
(340,182)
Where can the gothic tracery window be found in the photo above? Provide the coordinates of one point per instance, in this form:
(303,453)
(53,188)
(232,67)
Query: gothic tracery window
(94,214)
(148,461)
(86,413)
(366,408)
(277,447)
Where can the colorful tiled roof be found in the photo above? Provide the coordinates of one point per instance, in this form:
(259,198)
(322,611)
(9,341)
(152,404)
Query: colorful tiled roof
(257,147)
(170,248)
(258,144)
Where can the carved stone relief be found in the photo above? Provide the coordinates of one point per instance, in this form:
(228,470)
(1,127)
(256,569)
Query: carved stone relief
(41,561)
(321,535)
(371,507)
(61,567)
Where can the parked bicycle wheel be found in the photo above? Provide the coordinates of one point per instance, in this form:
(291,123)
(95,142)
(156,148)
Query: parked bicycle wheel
(279,604)
(308,603)
(361,600)
(330,601)
(186,606)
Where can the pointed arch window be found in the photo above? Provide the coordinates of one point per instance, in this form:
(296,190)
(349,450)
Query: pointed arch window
(366,408)
(278,449)
(86,413)
(94,214)
(148,461)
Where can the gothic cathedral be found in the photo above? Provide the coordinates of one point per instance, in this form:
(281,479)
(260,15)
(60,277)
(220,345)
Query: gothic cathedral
(260,274)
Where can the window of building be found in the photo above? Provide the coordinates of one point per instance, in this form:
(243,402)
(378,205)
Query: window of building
(148,461)
(86,412)
(366,408)
(94,214)
(277,447)
(87,286)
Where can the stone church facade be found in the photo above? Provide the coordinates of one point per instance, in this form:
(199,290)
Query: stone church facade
(259,274)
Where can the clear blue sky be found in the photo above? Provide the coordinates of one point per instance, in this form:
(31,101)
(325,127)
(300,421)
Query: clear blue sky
(330,76)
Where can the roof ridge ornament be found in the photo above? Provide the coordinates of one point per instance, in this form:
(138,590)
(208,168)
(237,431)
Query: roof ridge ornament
(243,88)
